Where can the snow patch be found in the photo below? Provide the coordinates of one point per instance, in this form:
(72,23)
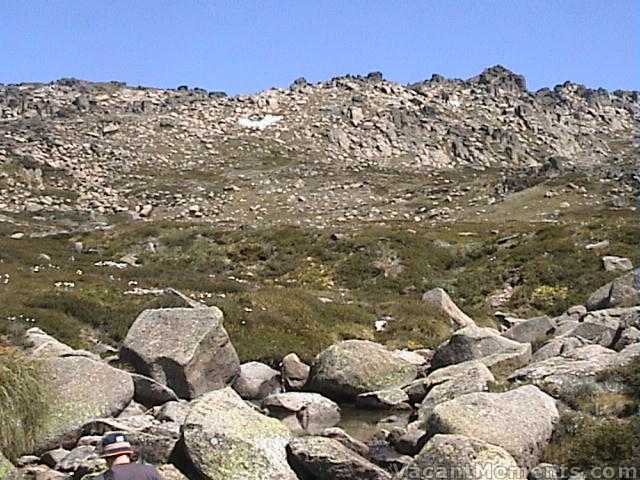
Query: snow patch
(261,123)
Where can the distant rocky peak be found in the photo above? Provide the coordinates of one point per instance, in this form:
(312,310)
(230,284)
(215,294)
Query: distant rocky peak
(502,77)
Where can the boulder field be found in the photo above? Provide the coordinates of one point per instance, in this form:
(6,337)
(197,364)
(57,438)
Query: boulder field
(484,399)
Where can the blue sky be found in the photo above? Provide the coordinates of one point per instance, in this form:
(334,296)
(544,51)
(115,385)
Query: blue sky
(242,46)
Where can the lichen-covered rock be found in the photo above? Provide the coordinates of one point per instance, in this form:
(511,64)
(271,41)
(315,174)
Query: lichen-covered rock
(501,355)
(604,327)
(80,389)
(256,381)
(303,412)
(616,264)
(224,438)
(450,382)
(568,374)
(456,457)
(42,345)
(557,346)
(349,368)
(186,349)
(322,458)
(521,421)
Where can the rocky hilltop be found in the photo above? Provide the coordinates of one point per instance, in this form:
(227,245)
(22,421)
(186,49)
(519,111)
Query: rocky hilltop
(353,279)
(108,147)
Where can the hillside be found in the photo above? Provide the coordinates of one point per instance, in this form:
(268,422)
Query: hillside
(354,195)
(357,237)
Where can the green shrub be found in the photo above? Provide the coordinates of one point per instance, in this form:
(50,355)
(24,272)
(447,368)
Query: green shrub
(23,403)
(584,442)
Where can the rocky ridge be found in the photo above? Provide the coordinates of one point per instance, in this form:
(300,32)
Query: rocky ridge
(319,150)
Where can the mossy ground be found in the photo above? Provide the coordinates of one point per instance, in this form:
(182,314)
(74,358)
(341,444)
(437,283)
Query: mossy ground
(299,289)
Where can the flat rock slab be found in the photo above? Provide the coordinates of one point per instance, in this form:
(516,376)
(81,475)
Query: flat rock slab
(520,421)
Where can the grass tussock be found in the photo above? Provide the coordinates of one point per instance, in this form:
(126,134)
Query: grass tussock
(23,403)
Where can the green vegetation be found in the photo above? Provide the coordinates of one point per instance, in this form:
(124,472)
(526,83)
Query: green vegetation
(586,442)
(297,289)
(23,403)
(604,431)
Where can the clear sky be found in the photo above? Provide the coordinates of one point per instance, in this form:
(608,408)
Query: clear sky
(243,46)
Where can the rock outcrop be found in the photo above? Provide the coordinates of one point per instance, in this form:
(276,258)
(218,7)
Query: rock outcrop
(577,371)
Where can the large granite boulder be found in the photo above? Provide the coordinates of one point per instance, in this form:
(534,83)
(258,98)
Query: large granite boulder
(352,367)
(450,382)
(441,301)
(533,330)
(322,458)
(303,412)
(501,355)
(456,457)
(186,349)
(80,389)
(224,438)
(521,421)
(624,291)
(576,371)
(256,381)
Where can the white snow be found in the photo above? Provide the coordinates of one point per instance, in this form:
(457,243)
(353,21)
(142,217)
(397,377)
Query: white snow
(261,124)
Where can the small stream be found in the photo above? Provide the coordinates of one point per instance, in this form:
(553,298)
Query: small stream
(363,424)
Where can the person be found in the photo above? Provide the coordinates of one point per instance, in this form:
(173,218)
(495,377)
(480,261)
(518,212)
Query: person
(117,451)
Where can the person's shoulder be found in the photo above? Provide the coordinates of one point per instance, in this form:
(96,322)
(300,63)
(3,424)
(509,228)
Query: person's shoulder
(149,470)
